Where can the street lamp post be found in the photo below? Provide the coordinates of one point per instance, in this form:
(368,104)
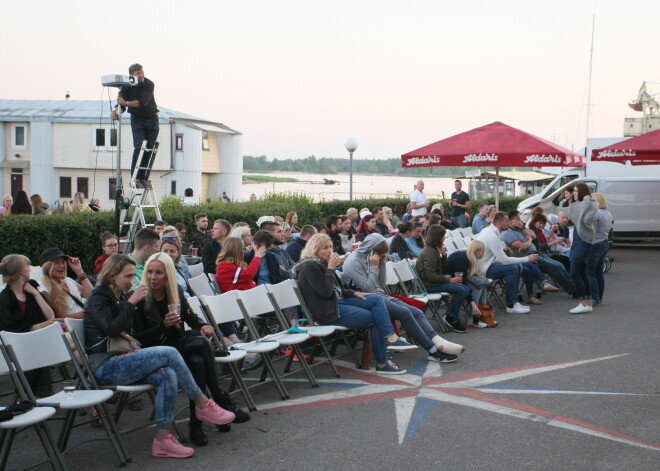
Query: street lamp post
(351,145)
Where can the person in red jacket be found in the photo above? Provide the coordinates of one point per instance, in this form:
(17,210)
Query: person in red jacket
(233,272)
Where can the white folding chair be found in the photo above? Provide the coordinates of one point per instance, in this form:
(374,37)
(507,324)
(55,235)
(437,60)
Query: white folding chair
(232,360)
(36,418)
(409,278)
(76,329)
(53,351)
(285,295)
(256,302)
(459,243)
(200,286)
(225,308)
(196,269)
(465,232)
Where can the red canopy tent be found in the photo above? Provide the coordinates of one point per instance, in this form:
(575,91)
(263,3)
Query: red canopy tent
(641,150)
(494,145)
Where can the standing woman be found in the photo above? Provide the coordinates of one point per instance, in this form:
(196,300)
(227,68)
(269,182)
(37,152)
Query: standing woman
(292,220)
(7,202)
(155,323)
(433,269)
(21,204)
(65,295)
(108,313)
(38,204)
(110,246)
(596,261)
(583,212)
(79,204)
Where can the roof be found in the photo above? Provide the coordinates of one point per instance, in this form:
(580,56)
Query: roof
(520,176)
(82,111)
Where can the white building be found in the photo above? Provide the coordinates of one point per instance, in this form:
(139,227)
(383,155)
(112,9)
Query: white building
(59,147)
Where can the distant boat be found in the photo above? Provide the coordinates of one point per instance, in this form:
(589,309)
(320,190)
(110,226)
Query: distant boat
(327,181)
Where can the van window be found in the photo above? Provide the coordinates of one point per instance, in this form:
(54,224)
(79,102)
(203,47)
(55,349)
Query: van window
(559,183)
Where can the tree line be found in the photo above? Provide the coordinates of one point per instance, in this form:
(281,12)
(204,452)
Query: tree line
(331,165)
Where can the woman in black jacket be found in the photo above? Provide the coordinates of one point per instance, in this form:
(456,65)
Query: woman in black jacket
(108,314)
(159,321)
(398,245)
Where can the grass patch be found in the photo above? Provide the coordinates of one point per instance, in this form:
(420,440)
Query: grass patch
(267,178)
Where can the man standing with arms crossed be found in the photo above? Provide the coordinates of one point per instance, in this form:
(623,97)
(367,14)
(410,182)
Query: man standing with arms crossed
(142,107)
(418,201)
(460,202)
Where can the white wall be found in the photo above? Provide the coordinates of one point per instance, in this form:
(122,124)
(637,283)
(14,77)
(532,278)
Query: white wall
(42,172)
(230,148)
(187,162)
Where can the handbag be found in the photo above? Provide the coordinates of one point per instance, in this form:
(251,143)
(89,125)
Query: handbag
(123,344)
(488,315)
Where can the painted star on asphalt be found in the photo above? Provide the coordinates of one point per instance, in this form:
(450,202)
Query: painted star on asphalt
(416,392)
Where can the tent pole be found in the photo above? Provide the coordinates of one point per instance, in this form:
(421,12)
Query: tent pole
(497,187)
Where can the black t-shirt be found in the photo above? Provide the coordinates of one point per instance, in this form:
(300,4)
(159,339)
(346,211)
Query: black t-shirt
(463,198)
(144,93)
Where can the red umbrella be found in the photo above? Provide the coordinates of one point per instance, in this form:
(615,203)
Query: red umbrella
(494,145)
(640,150)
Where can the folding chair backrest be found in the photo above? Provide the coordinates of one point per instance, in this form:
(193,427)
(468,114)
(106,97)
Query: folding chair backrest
(36,273)
(201,286)
(460,243)
(196,269)
(4,368)
(39,348)
(213,281)
(391,277)
(256,301)
(223,307)
(77,326)
(466,232)
(196,307)
(285,294)
(404,271)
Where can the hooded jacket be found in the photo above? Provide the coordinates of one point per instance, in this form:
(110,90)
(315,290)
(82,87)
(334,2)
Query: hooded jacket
(358,270)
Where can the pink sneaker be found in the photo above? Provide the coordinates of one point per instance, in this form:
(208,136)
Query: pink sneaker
(170,448)
(214,414)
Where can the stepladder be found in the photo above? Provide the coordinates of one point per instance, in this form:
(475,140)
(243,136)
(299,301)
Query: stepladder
(140,208)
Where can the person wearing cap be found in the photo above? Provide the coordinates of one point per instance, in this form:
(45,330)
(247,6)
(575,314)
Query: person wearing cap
(63,294)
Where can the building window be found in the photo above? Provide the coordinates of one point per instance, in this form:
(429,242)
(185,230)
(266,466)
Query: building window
(173,188)
(65,187)
(112,185)
(83,185)
(19,134)
(104,138)
(179,142)
(205,140)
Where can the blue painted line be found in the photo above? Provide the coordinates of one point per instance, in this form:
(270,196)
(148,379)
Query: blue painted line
(422,407)
(419,368)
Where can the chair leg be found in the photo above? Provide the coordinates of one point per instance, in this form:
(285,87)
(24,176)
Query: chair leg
(278,381)
(329,357)
(242,386)
(303,363)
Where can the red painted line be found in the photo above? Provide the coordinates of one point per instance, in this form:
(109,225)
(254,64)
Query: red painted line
(452,379)
(500,401)
(345,400)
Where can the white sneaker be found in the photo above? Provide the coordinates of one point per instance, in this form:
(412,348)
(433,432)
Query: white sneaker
(517,309)
(581,309)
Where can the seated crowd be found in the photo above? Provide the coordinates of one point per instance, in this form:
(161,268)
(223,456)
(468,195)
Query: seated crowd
(341,269)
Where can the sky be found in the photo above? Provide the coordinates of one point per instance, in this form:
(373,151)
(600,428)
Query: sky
(298,78)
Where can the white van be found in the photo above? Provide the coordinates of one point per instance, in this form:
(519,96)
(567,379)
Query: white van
(633,201)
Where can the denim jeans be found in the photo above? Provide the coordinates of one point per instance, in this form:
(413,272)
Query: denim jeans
(413,321)
(558,272)
(511,275)
(531,273)
(162,367)
(458,292)
(460,221)
(479,295)
(143,128)
(580,252)
(595,267)
(370,313)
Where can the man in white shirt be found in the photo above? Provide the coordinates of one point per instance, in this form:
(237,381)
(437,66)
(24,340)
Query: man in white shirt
(418,201)
(497,264)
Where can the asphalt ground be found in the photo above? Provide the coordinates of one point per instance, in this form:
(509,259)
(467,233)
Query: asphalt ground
(542,391)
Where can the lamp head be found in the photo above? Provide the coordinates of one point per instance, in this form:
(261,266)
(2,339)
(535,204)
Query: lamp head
(351,144)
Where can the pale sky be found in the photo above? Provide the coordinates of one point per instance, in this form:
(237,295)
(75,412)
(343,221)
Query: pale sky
(299,77)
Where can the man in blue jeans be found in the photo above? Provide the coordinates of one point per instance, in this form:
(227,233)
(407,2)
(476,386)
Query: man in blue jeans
(497,264)
(141,104)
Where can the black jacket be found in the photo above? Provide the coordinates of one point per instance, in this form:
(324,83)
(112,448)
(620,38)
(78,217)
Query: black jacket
(318,287)
(399,247)
(148,324)
(11,318)
(336,242)
(295,248)
(210,253)
(105,316)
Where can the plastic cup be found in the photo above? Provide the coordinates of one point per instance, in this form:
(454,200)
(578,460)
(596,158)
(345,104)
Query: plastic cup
(459,274)
(69,387)
(194,251)
(174,308)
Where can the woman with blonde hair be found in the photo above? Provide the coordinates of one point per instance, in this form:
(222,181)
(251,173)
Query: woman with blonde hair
(596,260)
(65,295)
(79,204)
(245,234)
(468,262)
(108,313)
(387,211)
(232,271)
(7,202)
(173,249)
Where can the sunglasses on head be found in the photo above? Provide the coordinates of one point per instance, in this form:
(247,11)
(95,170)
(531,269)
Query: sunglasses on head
(170,239)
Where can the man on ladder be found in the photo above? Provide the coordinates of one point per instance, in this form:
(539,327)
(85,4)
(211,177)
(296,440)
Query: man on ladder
(142,107)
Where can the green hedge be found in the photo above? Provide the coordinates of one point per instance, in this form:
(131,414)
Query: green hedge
(78,234)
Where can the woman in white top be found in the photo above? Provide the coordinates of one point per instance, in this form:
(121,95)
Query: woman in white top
(65,295)
(346,234)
